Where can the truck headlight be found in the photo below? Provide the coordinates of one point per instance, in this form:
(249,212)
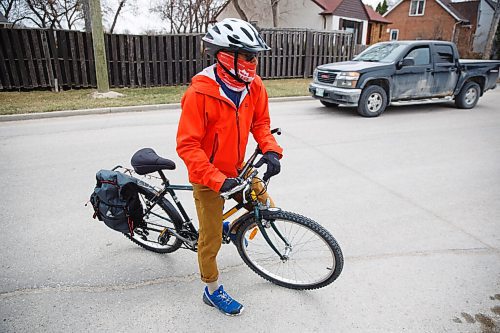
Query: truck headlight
(346,80)
(315,75)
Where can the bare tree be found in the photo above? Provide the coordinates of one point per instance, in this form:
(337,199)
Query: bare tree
(493,29)
(276,12)
(120,6)
(86,15)
(7,6)
(240,11)
(112,9)
(188,15)
(58,14)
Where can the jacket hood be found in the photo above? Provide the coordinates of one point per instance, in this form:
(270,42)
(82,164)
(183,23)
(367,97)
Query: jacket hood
(205,83)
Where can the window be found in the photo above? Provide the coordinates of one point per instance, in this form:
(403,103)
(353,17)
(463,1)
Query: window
(421,55)
(353,26)
(417,7)
(444,54)
(394,34)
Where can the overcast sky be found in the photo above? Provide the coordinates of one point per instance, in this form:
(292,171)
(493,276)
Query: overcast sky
(144,20)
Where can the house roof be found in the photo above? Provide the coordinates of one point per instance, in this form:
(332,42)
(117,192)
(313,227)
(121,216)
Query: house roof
(3,19)
(375,16)
(343,8)
(449,7)
(328,6)
(445,4)
(468,10)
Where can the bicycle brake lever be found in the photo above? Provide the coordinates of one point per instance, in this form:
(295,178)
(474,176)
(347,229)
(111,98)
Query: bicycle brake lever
(237,188)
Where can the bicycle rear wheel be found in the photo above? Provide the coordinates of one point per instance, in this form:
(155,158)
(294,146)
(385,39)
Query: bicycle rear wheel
(313,259)
(152,234)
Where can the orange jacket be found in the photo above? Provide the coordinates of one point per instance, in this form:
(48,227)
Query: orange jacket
(213,133)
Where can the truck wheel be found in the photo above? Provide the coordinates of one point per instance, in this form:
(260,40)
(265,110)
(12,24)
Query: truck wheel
(372,102)
(329,104)
(469,95)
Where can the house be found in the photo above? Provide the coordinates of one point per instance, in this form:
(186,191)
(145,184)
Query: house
(484,22)
(350,15)
(4,23)
(377,26)
(434,19)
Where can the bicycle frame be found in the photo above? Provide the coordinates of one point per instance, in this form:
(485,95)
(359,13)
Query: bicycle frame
(257,206)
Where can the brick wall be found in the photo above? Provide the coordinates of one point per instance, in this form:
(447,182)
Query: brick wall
(436,23)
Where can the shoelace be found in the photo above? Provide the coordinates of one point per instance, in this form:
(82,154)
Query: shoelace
(225,297)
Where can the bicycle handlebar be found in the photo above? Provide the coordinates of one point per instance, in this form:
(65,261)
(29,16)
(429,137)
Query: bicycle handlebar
(243,186)
(246,181)
(276,130)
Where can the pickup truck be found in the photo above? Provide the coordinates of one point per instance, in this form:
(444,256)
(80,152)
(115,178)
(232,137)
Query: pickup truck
(404,72)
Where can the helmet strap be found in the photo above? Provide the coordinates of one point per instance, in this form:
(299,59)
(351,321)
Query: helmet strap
(235,74)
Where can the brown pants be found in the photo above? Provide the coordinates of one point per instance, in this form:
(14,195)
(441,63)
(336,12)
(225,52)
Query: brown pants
(209,207)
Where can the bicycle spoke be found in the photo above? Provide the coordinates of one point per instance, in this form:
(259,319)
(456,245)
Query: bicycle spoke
(309,261)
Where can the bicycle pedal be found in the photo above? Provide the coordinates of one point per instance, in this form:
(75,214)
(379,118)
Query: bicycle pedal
(225,239)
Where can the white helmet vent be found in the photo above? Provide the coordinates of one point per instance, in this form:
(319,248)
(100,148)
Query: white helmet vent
(234,35)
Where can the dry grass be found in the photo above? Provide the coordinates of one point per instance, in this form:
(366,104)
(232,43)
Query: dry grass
(46,101)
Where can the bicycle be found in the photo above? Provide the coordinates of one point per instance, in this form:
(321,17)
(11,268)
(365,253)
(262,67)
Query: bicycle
(285,248)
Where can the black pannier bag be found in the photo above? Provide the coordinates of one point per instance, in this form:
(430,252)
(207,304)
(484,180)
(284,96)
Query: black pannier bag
(116,201)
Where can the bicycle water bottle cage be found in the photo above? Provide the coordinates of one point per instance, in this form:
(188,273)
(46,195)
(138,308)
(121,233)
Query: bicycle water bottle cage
(147,161)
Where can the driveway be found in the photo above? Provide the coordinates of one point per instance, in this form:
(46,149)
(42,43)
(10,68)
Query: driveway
(413,198)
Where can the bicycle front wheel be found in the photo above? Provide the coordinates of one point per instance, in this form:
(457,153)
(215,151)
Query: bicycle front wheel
(310,257)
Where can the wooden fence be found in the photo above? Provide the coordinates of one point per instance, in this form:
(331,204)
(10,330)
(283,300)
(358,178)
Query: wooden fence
(37,58)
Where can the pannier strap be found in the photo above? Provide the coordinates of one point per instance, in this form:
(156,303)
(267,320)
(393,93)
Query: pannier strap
(147,161)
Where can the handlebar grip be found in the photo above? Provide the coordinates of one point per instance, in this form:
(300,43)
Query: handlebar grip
(276,130)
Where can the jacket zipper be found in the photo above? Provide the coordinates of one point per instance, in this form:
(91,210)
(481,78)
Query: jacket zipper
(238,143)
(215,147)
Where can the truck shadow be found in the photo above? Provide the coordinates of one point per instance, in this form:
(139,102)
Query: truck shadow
(347,111)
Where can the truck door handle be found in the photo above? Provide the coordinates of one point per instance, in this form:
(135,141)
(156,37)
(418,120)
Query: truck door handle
(429,70)
(452,69)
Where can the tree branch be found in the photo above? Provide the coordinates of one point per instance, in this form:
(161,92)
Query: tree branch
(120,6)
(240,11)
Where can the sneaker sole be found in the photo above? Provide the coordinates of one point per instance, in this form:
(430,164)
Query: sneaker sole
(209,303)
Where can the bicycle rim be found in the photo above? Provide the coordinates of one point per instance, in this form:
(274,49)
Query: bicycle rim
(153,234)
(314,258)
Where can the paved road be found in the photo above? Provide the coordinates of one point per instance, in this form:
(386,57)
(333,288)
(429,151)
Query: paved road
(412,197)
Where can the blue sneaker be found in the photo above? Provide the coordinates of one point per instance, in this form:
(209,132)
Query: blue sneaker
(222,301)
(225,230)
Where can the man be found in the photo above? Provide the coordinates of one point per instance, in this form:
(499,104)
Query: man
(223,104)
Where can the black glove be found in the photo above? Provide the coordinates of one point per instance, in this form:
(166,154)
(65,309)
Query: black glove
(273,164)
(229,184)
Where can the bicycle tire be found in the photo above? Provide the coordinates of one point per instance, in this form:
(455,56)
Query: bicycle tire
(326,263)
(161,216)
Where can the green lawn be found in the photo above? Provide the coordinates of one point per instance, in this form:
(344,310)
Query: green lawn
(46,101)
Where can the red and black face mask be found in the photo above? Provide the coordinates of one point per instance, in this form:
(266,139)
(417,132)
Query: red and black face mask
(246,66)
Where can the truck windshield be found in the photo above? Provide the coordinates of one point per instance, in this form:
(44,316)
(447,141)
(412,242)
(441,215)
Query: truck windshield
(385,52)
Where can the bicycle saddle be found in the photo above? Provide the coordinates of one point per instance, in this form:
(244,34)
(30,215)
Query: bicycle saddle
(146,161)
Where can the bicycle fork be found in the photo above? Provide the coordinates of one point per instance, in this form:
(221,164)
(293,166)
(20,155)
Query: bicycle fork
(264,224)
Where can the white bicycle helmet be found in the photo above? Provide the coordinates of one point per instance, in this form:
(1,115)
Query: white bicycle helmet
(234,35)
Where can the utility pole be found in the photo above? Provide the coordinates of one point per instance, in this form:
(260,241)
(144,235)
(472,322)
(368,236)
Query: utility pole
(101,68)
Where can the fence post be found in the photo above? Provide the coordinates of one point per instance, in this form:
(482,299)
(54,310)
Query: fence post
(48,60)
(308,54)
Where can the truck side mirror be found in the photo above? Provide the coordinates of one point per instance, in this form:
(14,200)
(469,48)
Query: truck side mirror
(406,62)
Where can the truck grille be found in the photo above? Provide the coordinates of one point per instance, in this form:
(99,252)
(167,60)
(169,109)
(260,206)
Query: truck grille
(326,77)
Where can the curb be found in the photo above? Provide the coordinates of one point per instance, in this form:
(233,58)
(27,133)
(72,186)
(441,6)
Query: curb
(121,109)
